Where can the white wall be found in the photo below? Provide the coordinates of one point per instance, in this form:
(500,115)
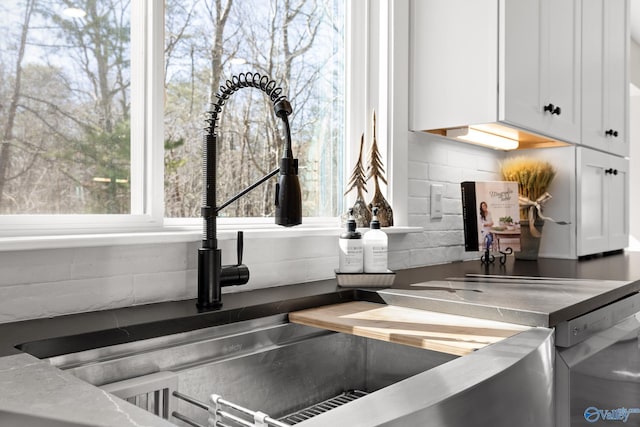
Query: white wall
(435,160)
(634,136)
(46,283)
(52,282)
(634,166)
(634,63)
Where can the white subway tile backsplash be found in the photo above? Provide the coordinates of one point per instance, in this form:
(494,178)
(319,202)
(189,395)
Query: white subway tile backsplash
(191,285)
(110,261)
(427,149)
(448,222)
(73,296)
(21,302)
(481,176)
(421,153)
(419,220)
(444,174)
(418,205)
(488,163)
(462,160)
(452,191)
(451,206)
(165,286)
(403,242)
(438,154)
(426,256)
(192,255)
(419,188)
(438,239)
(44,283)
(418,170)
(18,268)
(399,260)
(287,272)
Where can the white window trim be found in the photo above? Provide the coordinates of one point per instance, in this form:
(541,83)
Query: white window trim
(369,24)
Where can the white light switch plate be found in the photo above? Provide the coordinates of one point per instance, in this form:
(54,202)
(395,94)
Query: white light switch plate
(436,201)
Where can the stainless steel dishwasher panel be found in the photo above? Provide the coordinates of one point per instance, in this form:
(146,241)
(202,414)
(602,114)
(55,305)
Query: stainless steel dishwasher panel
(598,380)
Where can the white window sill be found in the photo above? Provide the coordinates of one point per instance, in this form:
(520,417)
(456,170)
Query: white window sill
(174,234)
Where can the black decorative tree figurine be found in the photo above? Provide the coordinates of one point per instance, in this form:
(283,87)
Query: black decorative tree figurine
(376,171)
(361,212)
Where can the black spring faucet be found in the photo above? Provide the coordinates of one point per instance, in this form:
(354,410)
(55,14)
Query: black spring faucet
(212,275)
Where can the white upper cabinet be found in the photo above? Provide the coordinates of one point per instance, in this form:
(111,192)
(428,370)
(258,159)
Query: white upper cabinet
(605,41)
(540,75)
(513,62)
(523,69)
(453,63)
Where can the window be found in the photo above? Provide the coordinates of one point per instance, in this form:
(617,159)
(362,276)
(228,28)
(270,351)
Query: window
(86,91)
(65,109)
(299,44)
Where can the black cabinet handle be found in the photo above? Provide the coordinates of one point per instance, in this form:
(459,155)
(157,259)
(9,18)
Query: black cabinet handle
(611,171)
(553,109)
(611,132)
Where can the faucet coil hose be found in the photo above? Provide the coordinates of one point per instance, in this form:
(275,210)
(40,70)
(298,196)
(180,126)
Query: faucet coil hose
(240,81)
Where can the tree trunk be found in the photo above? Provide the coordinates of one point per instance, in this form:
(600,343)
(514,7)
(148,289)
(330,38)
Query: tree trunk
(220,20)
(7,135)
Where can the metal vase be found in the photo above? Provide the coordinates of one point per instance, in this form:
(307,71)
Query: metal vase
(529,244)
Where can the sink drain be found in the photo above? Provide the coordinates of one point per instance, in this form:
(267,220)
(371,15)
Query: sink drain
(322,407)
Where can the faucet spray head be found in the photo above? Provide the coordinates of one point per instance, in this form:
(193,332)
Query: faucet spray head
(288,198)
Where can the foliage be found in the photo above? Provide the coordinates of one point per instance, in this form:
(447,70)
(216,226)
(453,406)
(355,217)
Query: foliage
(65,102)
(67,129)
(293,43)
(533,176)
(111,185)
(506,220)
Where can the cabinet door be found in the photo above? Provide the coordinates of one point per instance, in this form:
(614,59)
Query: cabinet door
(453,63)
(604,75)
(616,86)
(603,195)
(592,212)
(618,203)
(593,98)
(541,42)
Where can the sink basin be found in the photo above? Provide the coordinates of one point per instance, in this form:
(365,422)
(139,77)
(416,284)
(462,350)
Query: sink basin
(281,368)
(267,365)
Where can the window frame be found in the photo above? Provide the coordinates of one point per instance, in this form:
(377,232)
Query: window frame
(366,24)
(146,158)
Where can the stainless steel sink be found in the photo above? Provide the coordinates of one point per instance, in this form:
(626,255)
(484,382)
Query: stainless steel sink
(267,365)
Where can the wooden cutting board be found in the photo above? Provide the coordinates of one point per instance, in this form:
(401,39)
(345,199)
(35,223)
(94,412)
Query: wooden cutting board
(446,333)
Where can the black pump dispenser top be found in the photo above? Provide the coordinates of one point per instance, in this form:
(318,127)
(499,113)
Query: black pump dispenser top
(351,232)
(375,224)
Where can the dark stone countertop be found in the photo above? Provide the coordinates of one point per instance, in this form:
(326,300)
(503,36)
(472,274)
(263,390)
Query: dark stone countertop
(47,337)
(26,379)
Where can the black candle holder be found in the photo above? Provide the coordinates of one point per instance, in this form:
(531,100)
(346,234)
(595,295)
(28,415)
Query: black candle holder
(488,258)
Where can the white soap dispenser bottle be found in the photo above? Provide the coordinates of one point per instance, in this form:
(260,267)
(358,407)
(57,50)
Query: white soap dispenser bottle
(351,249)
(376,246)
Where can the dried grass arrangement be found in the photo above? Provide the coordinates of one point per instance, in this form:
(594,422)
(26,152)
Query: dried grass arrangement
(533,177)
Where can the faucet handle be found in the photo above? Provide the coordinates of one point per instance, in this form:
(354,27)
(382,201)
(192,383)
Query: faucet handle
(240,246)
